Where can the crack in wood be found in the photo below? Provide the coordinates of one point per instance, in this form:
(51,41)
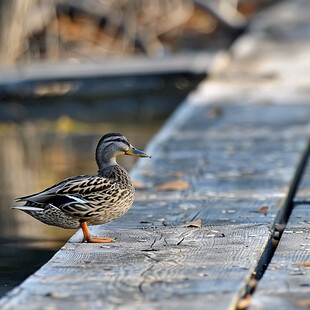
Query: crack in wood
(179,242)
(140,286)
(150,249)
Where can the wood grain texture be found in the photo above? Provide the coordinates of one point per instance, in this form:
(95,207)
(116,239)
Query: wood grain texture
(240,153)
(147,268)
(157,263)
(286,283)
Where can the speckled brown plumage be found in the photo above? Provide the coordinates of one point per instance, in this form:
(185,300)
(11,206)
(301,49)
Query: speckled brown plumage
(88,199)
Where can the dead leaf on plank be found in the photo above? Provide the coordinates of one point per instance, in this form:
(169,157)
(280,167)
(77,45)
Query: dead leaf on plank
(244,303)
(138,185)
(263,210)
(174,185)
(196,223)
(303,303)
(253,283)
(304,264)
(214,112)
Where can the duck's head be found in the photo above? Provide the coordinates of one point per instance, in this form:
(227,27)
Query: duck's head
(112,145)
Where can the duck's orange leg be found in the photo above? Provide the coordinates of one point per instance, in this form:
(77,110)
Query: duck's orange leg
(89,238)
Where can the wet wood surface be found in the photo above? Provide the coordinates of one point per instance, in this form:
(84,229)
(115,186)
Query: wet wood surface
(235,144)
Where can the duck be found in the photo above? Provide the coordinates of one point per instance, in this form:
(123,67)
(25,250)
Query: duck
(83,200)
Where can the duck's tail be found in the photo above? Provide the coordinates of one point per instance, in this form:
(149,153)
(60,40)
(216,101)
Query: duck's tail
(27,208)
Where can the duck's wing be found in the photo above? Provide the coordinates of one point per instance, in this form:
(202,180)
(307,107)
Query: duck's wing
(71,191)
(76,196)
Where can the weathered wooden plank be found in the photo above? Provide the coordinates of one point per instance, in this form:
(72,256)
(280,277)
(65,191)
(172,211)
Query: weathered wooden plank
(286,283)
(210,210)
(227,247)
(289,31)
(195,63)
(240,153)
(168,267)
(149,87)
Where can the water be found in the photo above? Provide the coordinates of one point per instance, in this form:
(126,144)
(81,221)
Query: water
(33,156)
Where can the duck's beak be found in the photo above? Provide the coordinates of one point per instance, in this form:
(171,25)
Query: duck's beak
(134,152)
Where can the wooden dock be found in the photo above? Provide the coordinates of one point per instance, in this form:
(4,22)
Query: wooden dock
(216,194)
(95,91)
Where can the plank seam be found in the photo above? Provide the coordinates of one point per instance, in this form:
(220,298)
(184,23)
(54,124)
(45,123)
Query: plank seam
(279,226)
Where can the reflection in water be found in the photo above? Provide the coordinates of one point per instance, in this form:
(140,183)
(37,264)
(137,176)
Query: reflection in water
(34,156)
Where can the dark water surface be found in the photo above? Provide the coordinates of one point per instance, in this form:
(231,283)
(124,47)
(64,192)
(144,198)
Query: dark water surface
(33,156)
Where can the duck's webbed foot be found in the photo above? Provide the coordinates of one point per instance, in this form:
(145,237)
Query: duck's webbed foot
(98,240)
(89,238)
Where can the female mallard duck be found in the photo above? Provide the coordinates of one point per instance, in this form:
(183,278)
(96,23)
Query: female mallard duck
(88,199)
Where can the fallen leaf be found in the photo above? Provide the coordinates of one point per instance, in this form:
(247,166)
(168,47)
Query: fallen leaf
(174,185)
(214,112)
(263,209)
(304,264)
(252,283)
(280,227)
(138,185)
(244,303)
(196,223)
(303,303)
(274,243)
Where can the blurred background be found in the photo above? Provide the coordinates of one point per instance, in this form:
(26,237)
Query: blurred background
(73,70)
